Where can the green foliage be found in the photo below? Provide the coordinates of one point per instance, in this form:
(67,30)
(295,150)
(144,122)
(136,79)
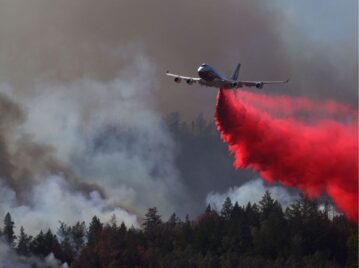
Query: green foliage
(249,236)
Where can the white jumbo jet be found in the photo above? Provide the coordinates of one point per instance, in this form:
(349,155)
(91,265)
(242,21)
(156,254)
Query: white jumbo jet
(208,76)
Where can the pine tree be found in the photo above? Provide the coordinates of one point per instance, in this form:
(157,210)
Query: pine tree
(123,228)
(23,245)
(268,205)
(95,230)
(227,209)
(304,209)
(309,207)
(253,214)
(78,232)
(50,242)
(208,209)
(271,237)
(8,231)
(64,234)
(37,245)
(152,219)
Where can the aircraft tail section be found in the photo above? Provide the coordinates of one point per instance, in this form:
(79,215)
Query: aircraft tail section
(235,73)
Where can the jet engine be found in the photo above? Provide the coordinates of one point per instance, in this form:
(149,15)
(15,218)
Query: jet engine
(234,85)
(259,85)
(189,81)
(178,79)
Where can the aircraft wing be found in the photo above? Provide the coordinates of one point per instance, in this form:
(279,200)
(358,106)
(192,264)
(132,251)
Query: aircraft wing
(178,78)
(275,82)
(259,84)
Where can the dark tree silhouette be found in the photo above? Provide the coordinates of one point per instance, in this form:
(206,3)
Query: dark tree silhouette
(8,231)
(152,220)
(23,244)
(94,232)
(241,236)
(227,208)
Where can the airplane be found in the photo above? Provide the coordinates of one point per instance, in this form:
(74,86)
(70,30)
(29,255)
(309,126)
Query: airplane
(208,76)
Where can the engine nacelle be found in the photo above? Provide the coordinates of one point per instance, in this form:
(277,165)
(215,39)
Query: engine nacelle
(178,80)
(234,85)
(190,81)
(259,85)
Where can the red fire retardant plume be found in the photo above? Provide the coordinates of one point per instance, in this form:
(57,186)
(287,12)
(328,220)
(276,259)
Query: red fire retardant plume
(297,142)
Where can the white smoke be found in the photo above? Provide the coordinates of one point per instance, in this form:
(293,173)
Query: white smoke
(109,134)
(53,200)
(9,258)
(251,191)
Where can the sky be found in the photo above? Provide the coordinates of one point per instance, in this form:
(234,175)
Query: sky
(324,21)
(70,71)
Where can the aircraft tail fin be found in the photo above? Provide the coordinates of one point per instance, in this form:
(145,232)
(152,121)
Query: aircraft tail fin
(235,73)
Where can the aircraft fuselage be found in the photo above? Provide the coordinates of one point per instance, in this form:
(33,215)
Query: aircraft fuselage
(211,77)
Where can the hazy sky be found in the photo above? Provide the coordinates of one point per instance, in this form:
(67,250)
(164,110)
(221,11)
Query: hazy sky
(325,21)
(314,43)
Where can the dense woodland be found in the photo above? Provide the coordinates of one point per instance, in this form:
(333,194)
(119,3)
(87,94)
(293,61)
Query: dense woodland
(255,235)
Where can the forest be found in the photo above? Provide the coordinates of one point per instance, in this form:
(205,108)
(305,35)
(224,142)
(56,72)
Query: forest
(304,234)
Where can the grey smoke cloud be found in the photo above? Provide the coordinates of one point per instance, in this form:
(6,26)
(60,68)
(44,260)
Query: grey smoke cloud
(89,146)
(110,133)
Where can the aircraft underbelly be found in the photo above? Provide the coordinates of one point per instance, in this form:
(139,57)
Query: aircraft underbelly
(221,84)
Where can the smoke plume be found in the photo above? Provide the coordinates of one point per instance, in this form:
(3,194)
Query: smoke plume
(309,145)
(90,146)
(9,258)
(251,191)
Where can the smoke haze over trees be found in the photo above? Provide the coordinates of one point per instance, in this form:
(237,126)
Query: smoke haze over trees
(259,234)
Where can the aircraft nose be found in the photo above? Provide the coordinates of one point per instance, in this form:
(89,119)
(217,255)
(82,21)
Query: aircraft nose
(202,67)
(201,70)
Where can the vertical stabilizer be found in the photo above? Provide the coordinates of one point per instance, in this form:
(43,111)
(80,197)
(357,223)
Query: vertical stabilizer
(235,73)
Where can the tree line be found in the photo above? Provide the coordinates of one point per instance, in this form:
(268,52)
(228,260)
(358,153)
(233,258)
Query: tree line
(255,235)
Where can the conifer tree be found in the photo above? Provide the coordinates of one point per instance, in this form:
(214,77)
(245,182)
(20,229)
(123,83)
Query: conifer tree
(8,231)
(37,244)
(268,205)
(227,209)
(152,219)
(208,209)
(94,231)
(123,228)
(23,244)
